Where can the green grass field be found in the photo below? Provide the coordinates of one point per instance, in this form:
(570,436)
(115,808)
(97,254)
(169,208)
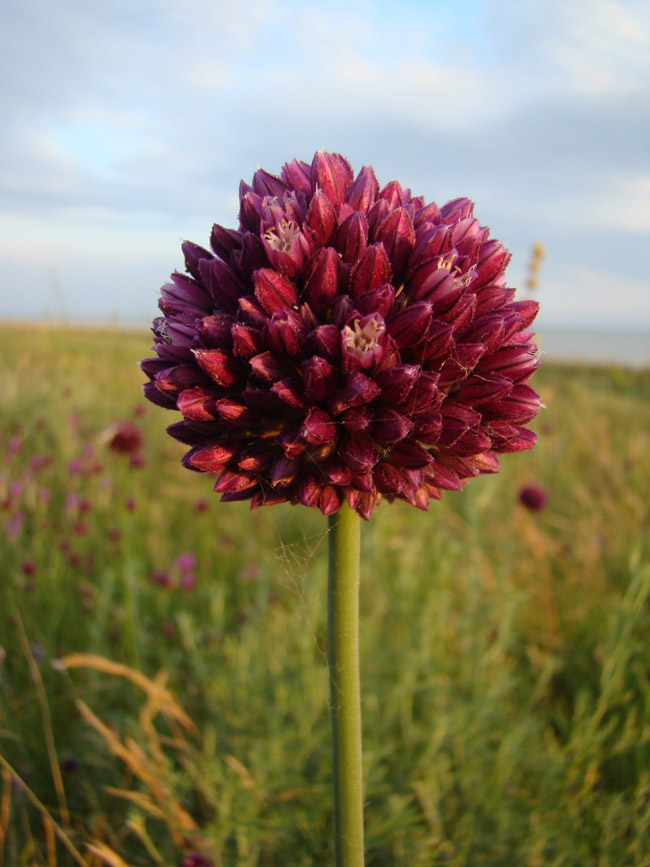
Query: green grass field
(505,653)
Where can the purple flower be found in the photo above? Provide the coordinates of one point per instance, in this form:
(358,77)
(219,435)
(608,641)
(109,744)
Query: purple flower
(533,497)
(345,343)
(124,437)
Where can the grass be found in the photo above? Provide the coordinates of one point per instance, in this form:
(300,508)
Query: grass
(505,661)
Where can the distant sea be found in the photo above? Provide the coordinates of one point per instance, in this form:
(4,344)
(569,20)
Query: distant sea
(595,347)
(628,349)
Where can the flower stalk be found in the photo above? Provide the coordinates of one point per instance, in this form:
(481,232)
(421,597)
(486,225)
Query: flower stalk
(345,694)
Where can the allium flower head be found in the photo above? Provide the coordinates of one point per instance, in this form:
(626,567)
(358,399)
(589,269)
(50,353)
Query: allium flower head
(347,342)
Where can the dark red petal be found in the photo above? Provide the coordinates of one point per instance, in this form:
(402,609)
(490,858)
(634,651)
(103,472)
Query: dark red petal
(319,377)
(329,500)
(193,254)
(175,379)
(224,241)
(308,490)
(379,300)
(251,313)
(221,367)
(357,421)
(388,478)
(357,390)
(352,237)
(492,261)
(216,331)
(213,457)
(322,279)
(397,235)
(256,458)
(269,367)
(197,403)
(222,283)
(318,427)
(411,325)
(520,405)
(284,333)
(155,396)
(247,341)
(362,192)
(397,382)
(297,175)
(273,290)
(477,389)
(321,218)
(371,271)
(266,184)
(230,482)
(335,472)
(291,393)
(284,471)
(508,437)
(235,413)
(410,454)
(326,342)
(390,426)
(359,454)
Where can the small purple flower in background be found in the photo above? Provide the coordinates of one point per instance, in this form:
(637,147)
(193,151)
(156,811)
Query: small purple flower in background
(187,581)
(345,343)
(196,859)
(533,497)
(14,525)
(69,764)
(185,562)
(184,565)
(124,437)
(160,579)
(28,567)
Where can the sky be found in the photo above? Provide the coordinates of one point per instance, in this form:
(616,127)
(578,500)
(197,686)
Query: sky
(127,126)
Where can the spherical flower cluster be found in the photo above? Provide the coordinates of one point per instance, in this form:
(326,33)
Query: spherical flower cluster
(346,343)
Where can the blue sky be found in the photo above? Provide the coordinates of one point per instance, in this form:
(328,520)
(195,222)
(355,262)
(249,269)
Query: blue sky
(128,125)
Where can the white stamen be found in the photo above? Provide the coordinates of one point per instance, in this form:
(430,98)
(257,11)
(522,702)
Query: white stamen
(359,341)
(282,236)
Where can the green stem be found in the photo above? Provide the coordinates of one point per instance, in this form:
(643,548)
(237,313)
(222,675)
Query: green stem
(345,696)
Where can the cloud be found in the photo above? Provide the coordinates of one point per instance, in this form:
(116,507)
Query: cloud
(127,118)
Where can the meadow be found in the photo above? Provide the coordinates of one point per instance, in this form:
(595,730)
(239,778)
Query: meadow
(163,686)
